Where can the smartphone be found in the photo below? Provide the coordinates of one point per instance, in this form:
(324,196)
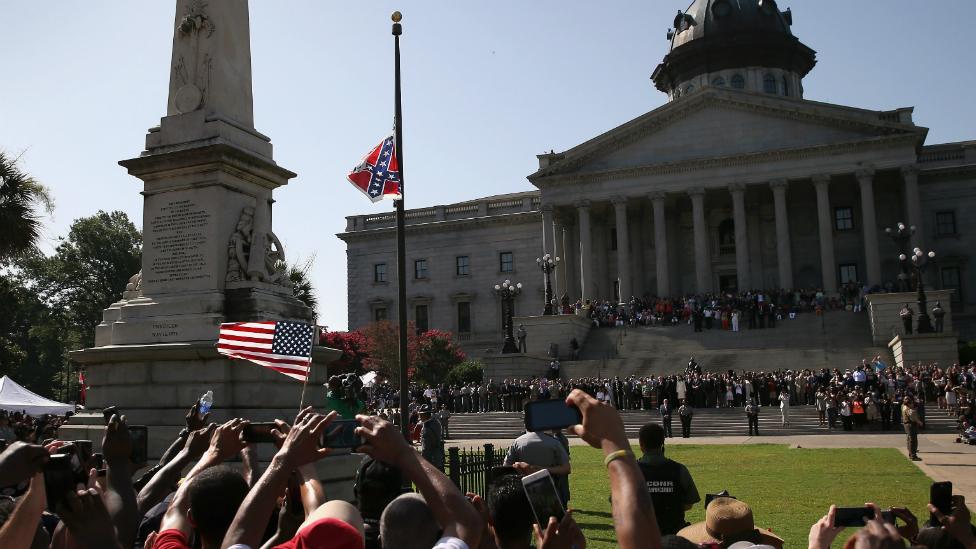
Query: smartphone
(107,413)
(140,444)
(60,478)
(546,415)
(84,450)
(258,433)
(857,516)
(98,460)
(543,497)
(341,433)
(940,495)
(710,497)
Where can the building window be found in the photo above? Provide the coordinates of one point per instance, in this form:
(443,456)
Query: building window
(718,81)
(952,280)
(420,269)
(738,82)
(462,265)
(420,319)
(464,317)
(379,314)
(506,262)
(848,273)
(769,83)
(945,223)
(843,219)
(613,239)
(379,273)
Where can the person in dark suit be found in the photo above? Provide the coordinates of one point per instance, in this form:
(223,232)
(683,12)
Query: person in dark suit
(665,411)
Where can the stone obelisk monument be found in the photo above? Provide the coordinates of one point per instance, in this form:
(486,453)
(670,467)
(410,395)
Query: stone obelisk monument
(209,252)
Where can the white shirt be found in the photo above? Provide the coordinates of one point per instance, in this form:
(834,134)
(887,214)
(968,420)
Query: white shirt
(450,543)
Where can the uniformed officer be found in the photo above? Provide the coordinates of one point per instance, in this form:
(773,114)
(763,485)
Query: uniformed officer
(752,414)
(906,318)
(910,418)
(669,483)
(665,411)
(939,314)
(431,438)
(684,413)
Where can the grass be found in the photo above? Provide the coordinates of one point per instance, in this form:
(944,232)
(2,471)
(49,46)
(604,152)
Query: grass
(788,489)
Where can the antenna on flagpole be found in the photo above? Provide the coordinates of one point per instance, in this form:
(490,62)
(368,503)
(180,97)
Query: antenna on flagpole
(401,251)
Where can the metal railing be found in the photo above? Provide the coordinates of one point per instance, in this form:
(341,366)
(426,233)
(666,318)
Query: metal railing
(469,468)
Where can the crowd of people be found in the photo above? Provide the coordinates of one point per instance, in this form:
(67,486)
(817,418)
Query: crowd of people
(193,498)
(27,428)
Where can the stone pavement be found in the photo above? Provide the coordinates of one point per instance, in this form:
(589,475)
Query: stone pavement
(942,459)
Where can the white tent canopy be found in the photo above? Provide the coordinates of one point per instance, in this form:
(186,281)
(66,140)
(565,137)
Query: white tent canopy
(15,398)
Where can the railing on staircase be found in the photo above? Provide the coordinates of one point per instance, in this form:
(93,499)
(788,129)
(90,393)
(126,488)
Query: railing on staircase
(470,468)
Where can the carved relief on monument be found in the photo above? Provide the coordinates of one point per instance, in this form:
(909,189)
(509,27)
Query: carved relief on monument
(260,261)
(133,288)
(194,72)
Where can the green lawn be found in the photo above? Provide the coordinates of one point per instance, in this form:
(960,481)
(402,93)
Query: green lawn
(788,490)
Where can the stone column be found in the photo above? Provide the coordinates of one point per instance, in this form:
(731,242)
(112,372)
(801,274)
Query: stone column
(586,249)
(623,248)
(828,267)
(703,268)
(547,231)
(738,191)
(660,246)
(783,255)
(559,276)
(872,257)
(913,204)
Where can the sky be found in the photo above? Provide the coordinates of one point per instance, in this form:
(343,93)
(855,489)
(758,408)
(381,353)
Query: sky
(487,85)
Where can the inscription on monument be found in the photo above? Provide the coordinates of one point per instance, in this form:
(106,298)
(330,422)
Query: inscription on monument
(178,235)
(165,329)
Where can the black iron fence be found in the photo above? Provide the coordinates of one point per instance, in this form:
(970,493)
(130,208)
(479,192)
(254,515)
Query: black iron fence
(469,468)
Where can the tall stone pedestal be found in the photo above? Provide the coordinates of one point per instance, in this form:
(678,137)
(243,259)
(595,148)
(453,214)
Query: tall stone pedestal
(544,331)
(925,348)
(883,312)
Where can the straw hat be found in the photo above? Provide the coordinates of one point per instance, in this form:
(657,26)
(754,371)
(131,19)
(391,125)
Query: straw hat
(729,520)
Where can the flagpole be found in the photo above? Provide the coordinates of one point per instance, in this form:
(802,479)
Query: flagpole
(401,251)
(308,374)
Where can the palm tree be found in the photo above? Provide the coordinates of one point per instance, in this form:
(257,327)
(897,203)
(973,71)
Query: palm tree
(21,198)
(300,284)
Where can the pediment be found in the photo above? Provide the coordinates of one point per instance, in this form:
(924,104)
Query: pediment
(719,124)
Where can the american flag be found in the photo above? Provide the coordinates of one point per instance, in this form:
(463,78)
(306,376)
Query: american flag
(285,347)
(378,175)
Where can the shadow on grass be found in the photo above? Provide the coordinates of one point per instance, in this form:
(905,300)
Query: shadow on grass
(603,514)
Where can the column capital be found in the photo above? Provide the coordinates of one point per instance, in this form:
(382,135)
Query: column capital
(547,207)
(619,200)
(737,187)
(696,191)
(865,175)
(911,170)
(583,204)
(657,195)
(820,179)
(777,184)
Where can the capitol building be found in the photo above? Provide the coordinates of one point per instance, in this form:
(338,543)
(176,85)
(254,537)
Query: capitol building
(738,182)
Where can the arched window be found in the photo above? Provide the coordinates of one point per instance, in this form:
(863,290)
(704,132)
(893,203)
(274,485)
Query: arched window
(769,83)
(738,82)
(786,87)
(718,81)
(689,88)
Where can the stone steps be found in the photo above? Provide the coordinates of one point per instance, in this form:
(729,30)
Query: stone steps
(706,422)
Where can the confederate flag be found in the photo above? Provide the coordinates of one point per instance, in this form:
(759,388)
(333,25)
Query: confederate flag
(378,175)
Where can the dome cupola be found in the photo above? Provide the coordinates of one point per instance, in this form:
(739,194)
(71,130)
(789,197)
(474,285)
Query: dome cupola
(740,44)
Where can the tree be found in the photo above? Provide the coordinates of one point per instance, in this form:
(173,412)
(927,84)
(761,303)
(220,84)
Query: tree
(21,198)
(353,347)
(437,354)
(466,372)
(383,349)
(301,285)
(88,272)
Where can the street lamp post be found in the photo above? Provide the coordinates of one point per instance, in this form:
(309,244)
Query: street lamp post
(901,234)
(507,292)
(918,261)
(548,264)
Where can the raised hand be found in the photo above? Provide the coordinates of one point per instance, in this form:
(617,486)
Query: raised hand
(117,443)
(562,535)
(382,440)
(602,426)
(21,460)
(199,440)
(225,441)
(301,446)
(823,532)
(193,420)
(88,520)
(957,523)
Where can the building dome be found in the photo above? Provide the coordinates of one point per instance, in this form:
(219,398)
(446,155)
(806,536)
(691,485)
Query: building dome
(744,44)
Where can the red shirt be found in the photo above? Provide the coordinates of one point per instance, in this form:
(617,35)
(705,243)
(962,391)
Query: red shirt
(328,533)
(171,539)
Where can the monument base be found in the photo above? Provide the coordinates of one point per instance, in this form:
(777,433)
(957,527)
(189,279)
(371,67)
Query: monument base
(545,331)
(521,366)
(883,311)
(940,347)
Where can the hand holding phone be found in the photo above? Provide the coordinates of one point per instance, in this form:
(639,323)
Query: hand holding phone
(543,497)
(940,495)
(859,516)
(258,433)
(341,433)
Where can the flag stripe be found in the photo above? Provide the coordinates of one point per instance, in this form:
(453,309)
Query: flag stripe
(250,329)
(233,337)
(244,345)
(277,359)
